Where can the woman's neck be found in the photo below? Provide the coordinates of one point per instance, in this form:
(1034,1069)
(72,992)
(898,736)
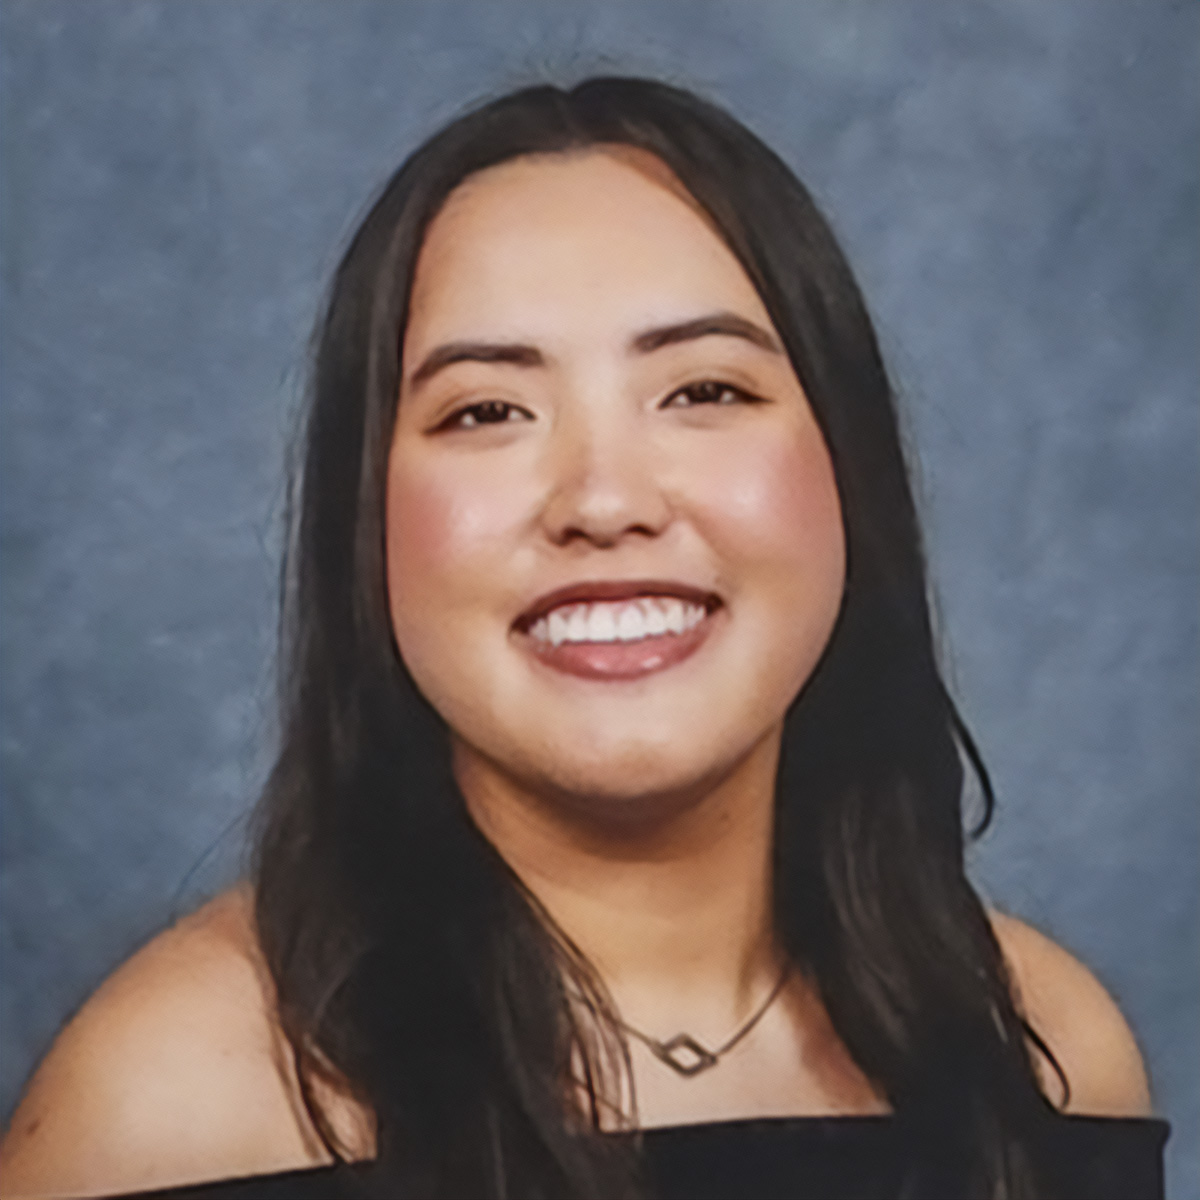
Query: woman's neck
(675,913)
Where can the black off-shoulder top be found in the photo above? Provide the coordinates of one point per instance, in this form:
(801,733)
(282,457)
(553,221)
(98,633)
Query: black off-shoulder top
(792,1158)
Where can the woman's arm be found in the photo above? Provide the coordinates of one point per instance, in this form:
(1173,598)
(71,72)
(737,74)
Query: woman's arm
(1069,1008)
(170,1073)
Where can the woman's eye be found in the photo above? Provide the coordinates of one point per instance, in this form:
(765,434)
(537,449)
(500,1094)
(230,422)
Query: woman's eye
(710,391)
(486,412)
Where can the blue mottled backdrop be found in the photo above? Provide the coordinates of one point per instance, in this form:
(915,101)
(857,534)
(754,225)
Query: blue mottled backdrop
(1016,182)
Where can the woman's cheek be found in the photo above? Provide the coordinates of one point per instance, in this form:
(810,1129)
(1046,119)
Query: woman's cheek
(775,501)
(442,530)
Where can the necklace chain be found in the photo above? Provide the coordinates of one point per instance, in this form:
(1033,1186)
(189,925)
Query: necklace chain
(685,1055)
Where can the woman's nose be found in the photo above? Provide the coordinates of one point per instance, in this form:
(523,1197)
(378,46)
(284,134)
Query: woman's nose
(604,488)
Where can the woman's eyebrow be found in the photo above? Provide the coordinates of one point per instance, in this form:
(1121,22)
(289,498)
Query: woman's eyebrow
(487,352)
(722,324)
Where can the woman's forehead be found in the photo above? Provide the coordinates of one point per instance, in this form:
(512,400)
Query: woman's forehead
(607,235)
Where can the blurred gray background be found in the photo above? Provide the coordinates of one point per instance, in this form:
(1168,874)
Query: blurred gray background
(1016,182)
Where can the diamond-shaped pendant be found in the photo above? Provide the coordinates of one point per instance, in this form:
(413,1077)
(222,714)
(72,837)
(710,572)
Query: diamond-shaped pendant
(685,1055)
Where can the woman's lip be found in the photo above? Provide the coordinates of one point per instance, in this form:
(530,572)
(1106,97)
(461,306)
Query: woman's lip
(614,589)
(622,660)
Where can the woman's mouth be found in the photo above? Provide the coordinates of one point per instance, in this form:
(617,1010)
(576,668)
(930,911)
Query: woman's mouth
(623,637)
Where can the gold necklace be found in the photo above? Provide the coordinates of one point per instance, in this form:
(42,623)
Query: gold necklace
(688,1057)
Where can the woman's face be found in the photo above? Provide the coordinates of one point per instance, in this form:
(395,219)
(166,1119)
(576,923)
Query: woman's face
(614,544)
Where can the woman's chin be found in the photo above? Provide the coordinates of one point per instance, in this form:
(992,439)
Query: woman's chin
(627,812)
(626,786)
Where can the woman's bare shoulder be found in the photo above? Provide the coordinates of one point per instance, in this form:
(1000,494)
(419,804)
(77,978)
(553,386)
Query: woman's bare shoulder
(1072,1012)
(172,1072)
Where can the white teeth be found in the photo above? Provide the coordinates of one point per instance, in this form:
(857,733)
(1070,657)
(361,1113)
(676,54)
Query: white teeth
(673,612)
(621,620)
(631,625)
(602,623)
(656,619)
(558,627)
(577,623)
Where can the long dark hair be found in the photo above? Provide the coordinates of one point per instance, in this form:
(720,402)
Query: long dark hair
(408,960)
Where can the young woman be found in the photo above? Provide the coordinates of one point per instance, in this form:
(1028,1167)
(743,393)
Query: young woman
(614,847)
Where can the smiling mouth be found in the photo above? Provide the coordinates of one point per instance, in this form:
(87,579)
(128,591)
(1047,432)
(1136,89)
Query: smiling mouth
(622,636)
